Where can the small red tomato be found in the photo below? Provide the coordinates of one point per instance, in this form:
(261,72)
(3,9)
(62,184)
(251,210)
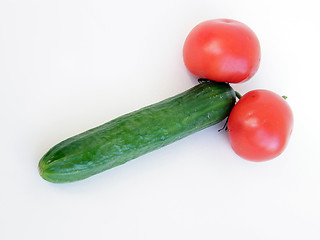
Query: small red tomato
(260,125)
(222,50)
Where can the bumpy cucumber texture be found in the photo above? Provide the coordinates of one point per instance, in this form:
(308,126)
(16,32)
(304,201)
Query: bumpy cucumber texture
(137,133)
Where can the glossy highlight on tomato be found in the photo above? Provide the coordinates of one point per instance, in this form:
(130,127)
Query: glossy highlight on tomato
(260,125)
(222,50)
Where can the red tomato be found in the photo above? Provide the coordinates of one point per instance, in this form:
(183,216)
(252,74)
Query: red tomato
(260,125)
(222,50)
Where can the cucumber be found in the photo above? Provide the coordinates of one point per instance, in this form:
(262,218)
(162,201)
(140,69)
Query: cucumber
(136,133)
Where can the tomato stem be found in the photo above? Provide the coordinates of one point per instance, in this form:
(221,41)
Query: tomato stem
(284,97)
(238,95)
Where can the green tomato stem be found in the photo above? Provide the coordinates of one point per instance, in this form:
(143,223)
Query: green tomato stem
(238,95)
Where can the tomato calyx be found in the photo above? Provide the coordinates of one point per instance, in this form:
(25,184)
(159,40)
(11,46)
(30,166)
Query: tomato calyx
(238,95)
(225,126)
(204,80)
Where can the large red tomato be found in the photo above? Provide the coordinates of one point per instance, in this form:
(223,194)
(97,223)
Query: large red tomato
(260,125)
(222,50)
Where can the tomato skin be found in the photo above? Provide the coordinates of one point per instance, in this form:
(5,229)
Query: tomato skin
(260,125)
(222,50)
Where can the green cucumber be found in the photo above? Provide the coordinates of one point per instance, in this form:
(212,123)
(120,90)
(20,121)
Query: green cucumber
(134,134)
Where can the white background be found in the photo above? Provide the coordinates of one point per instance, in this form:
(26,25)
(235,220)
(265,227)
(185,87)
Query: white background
(67,66)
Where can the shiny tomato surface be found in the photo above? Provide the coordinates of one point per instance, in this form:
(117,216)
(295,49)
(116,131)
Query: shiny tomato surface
(260,125)
(222,50)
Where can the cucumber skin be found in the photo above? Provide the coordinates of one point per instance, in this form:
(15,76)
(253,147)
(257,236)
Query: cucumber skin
(134,134)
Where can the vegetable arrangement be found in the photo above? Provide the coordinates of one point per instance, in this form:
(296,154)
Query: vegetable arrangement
(218,52)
